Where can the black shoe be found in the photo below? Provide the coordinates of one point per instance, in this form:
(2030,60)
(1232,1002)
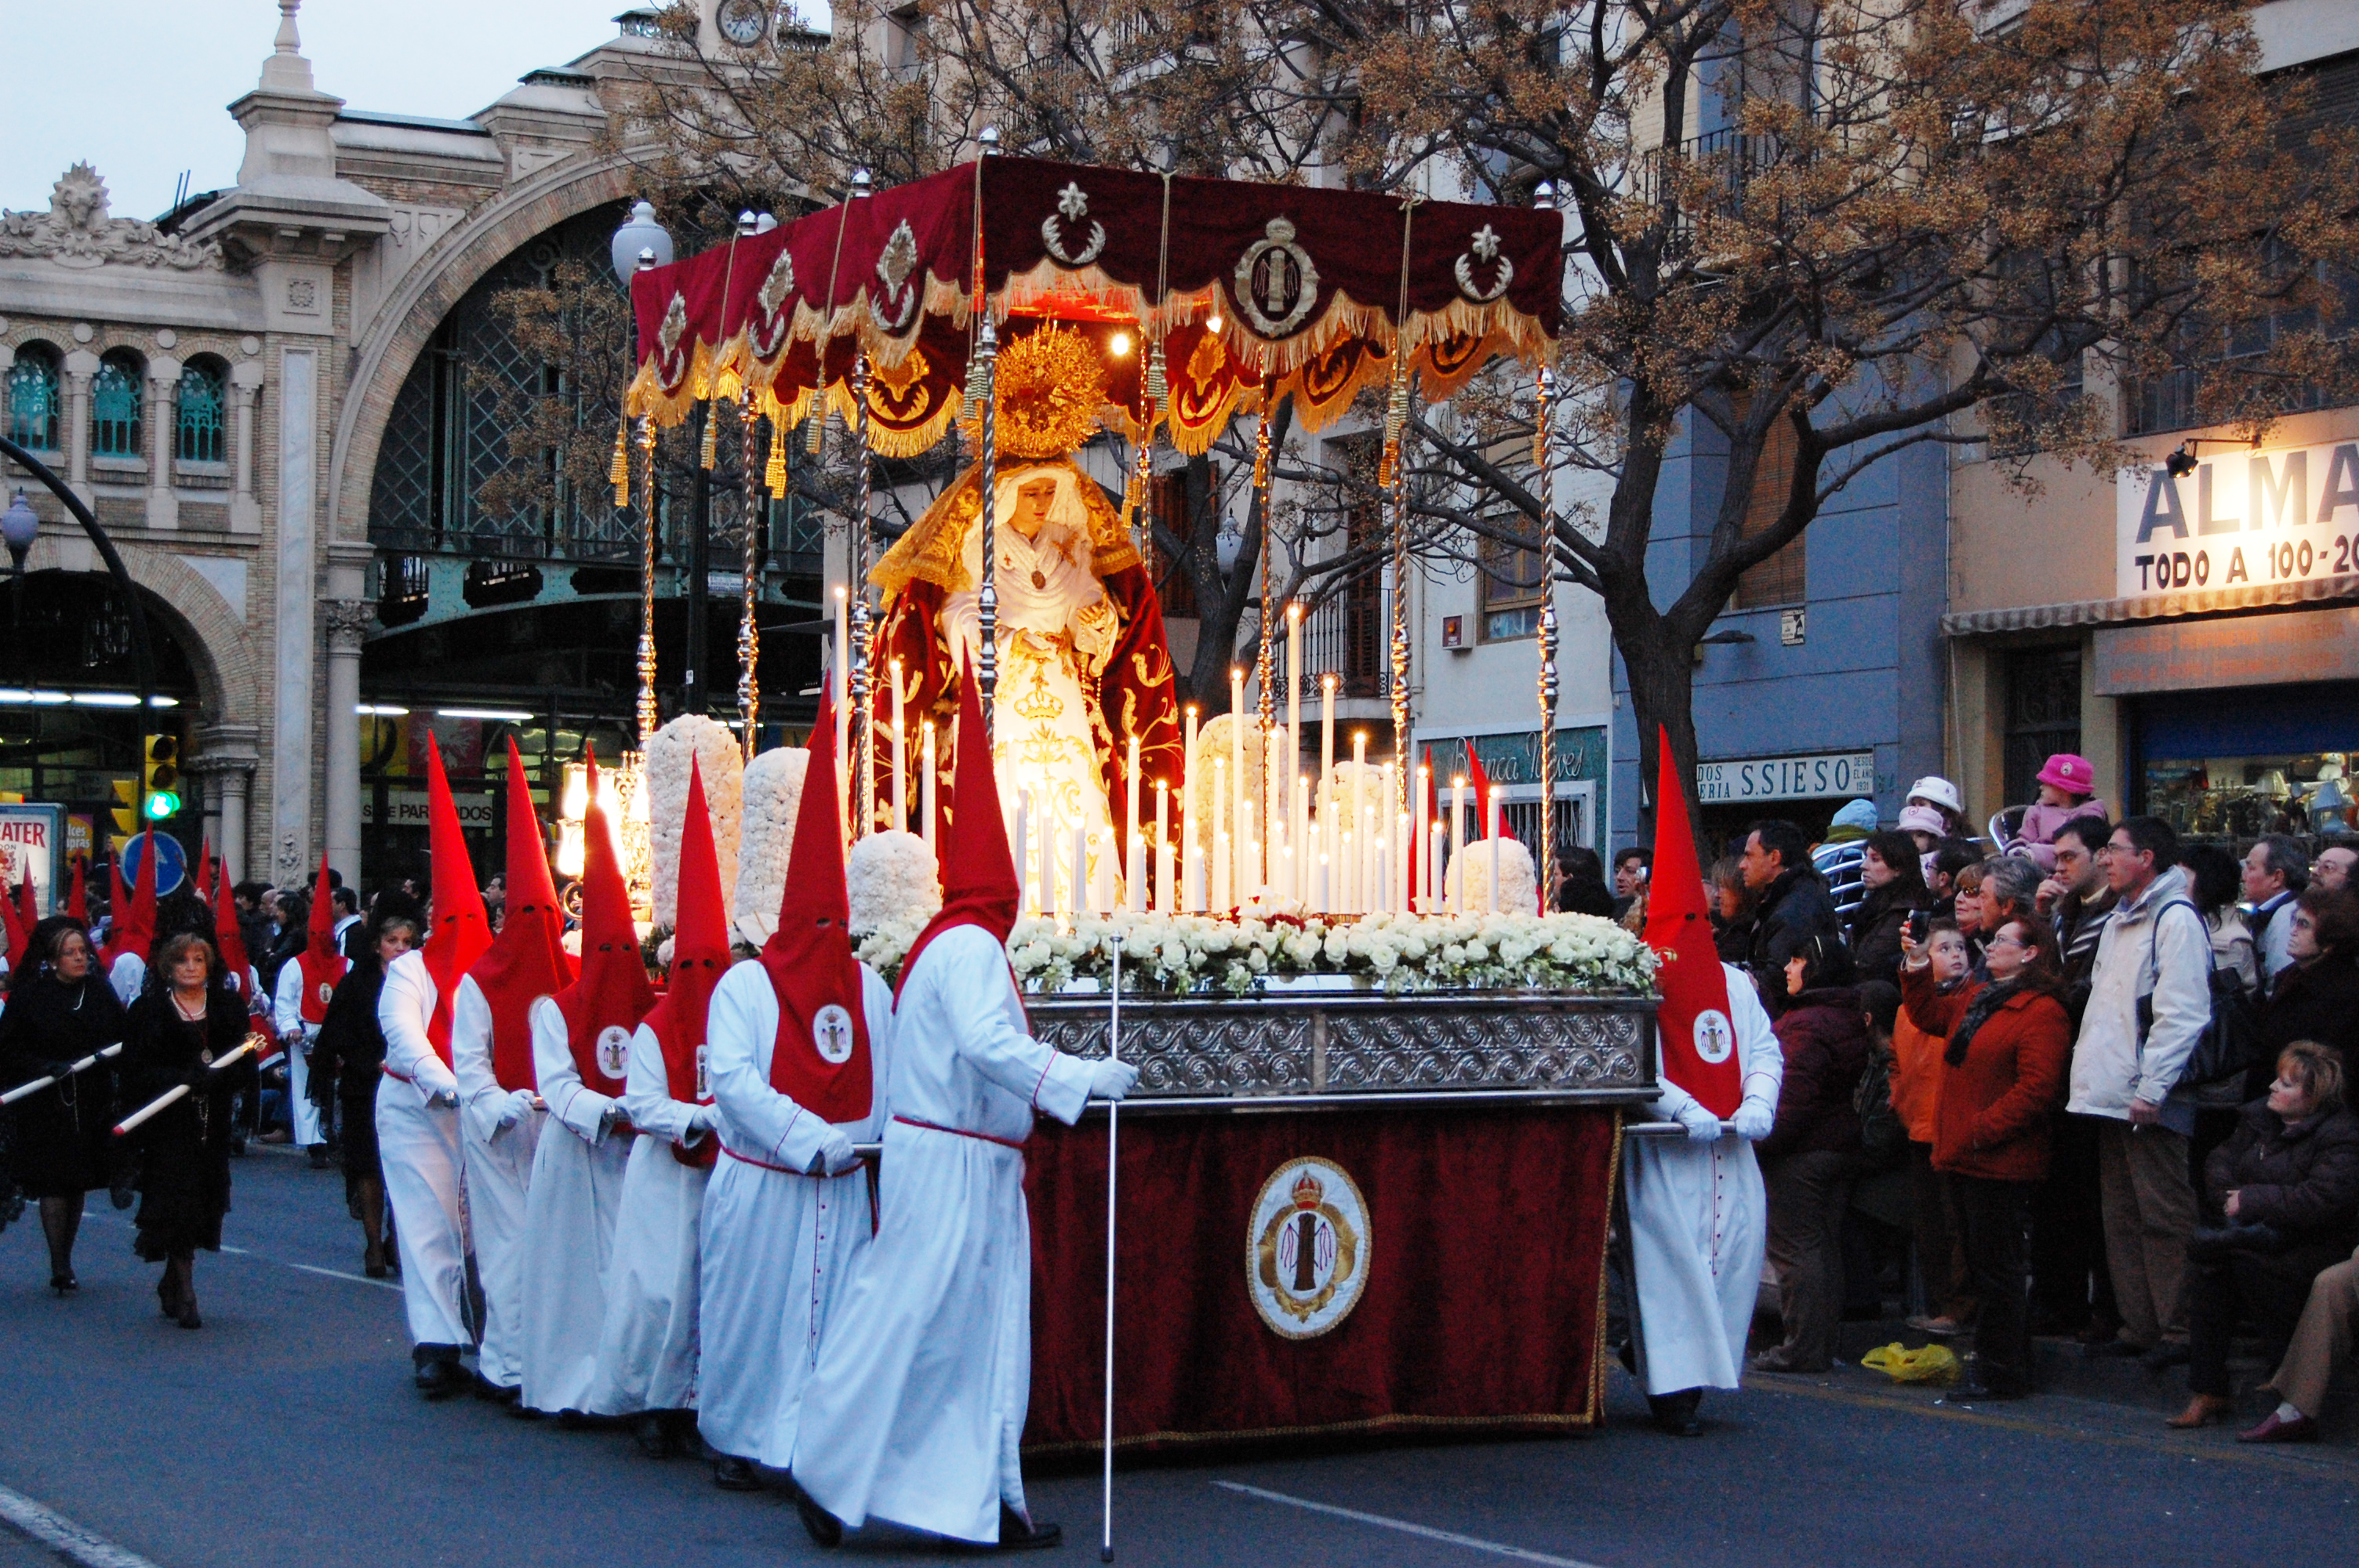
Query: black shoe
(121,1193)
(1676,1413)
(732,1474)
(1973,1391)
(2168,1354)
(437,1373)
(2212,1244)
(822,1526)
(319,1156)
(188,1318)
(65,1282)
(1016,1535)
(496,1393)
(653,1437)
(237,1148)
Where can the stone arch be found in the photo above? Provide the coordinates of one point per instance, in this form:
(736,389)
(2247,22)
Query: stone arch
(427,293)
(231,674)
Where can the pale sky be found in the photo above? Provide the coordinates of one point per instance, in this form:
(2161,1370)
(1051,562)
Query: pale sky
(140,88)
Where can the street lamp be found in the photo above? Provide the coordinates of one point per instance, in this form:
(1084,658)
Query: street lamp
(20,527)
(640,232)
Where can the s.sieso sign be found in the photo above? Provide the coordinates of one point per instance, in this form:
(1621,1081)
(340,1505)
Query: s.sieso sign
(2240,519)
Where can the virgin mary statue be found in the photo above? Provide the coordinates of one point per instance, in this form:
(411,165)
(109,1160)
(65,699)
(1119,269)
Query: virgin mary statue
(1083,664)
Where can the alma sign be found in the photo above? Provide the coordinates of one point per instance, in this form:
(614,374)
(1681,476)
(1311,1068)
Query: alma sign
(2242,519)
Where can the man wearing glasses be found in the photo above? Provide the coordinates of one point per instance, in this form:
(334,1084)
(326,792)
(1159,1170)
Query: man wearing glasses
(2149,1000)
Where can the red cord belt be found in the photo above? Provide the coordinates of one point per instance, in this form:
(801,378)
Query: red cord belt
(960,1132)
(785,1169)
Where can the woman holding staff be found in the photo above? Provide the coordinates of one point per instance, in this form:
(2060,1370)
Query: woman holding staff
(185,1019)
(61,1011)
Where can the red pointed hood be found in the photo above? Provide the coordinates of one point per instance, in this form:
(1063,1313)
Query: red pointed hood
(139,931)
(979,885)
(460,931)
(78,904)
(820,1058)
(1482,783)
(228,936)
(204,883)
(1694,1015)
(528,959)
(321,964)
(700,950)
(611,993)
(15,928)
(28,904)
(118,915)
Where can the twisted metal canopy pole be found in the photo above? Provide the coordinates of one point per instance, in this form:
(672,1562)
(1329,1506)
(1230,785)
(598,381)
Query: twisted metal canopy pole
(648,719)
(987,590)
(863,733)
(749,635)
(1398,502)
(1544,415)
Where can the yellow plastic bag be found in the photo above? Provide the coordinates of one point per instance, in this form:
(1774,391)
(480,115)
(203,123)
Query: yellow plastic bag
(1930,1364)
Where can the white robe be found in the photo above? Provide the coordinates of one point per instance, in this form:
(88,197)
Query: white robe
(497,1164)
(779,1246)
(577,1191)
(295,1038)
(647,1345)
(417,1141)
(1699,1224)
(915,1410)
(127,975)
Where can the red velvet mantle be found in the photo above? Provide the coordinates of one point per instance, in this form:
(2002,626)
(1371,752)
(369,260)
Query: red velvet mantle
(1483,1306)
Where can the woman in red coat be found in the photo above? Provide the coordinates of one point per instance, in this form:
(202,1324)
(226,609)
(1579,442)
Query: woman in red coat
(2001,1079)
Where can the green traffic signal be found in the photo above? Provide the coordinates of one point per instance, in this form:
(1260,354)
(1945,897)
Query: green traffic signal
(161,804)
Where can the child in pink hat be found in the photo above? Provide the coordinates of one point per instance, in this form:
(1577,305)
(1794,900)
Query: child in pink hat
(2068,788)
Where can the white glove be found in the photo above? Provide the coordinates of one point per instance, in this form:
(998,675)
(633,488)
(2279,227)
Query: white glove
(834,1156)
(1701,1125)
(704,1118)
(1753,1121)
(515,1106)
(1111,1080)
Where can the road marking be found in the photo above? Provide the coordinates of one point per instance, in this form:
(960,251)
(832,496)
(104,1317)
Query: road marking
(304,1268)
(61,1535)
(1450,1536)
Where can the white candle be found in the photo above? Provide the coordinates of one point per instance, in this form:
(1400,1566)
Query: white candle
(1403,853)
(1383,875)
(1458,844)
(1023,841)
(1298,838)
(926,760)
(1294,680)
(1326,726)
(1221,870)
(1318,888)
(1494,851)
(900,753)
(1163,891)
(1424,888)
(1354,888)
(1130,789)
(1370,885)
(1237,776)
(1078,872)
(1218,835)
(1045,826)
(1383,804)
(1195,899)
(1248,854)
(1433,849)
(1134,892)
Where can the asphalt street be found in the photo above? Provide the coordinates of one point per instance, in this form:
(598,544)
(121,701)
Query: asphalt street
(285,1432)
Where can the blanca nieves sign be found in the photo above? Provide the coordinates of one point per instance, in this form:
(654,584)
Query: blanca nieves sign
(2240,519)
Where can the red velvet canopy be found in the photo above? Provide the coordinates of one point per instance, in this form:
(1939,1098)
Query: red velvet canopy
(1306,287)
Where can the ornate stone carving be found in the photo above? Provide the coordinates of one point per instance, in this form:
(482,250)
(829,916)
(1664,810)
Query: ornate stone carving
(1335,1047)
(78,232)
(346,623)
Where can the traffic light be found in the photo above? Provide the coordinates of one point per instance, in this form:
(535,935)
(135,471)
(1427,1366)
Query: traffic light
(160,758)
(125,812)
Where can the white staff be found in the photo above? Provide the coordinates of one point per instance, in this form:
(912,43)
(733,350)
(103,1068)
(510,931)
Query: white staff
(180,1092)
(24,1090)
(1114,1107)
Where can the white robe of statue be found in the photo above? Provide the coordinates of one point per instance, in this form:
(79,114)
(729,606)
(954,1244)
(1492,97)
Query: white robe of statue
(417,1141)
(496,1161)
(1056,629)
(916,1407)
(577,1191)
(648,1348)
(779,1244)
(1699,1223)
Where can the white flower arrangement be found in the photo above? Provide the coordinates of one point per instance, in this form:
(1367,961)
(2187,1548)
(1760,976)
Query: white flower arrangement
(718,758)
(1517,887)
(773,797)
(1212,745)
(1178,955)
(892,873)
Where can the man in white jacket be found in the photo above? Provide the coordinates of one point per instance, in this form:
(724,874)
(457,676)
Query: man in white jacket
(2149,1002)
(916,1406)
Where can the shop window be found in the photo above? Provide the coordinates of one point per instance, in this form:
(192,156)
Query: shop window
(2043,716)
(115,413)
(1513,585)
(2244,797)
(197,435)
(33,399)
(1780,579)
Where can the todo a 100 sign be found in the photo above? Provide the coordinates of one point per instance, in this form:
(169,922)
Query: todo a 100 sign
(2241,519)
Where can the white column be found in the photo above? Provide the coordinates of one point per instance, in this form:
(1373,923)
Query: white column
(237,784)
(228,755)
(244,393)
(163,427)
(296,560)
(347,622)
(79,366)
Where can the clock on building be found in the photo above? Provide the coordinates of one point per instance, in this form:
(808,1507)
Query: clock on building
(743,22)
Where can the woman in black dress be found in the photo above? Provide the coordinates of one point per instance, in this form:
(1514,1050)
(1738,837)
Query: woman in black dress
(60,1010)
(344,1066)
(184,1021)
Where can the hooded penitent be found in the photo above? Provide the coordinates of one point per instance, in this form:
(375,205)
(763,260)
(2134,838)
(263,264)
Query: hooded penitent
(16,930)
(321,964)
(979,886)
(820,1059)
(78,904)
(608,1002)
(1699,1041)
(231,941)
(139,931)
(460,931)
(118,916)
(528,959)
(699,957)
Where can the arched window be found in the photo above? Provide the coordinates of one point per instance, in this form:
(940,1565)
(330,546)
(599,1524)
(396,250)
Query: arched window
(32,411)
(198,438)
(115,416)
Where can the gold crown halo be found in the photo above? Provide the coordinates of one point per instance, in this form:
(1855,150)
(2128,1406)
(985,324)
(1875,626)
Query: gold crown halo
(1050,387)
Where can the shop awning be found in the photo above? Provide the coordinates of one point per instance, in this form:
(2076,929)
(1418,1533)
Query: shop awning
(2153,607)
